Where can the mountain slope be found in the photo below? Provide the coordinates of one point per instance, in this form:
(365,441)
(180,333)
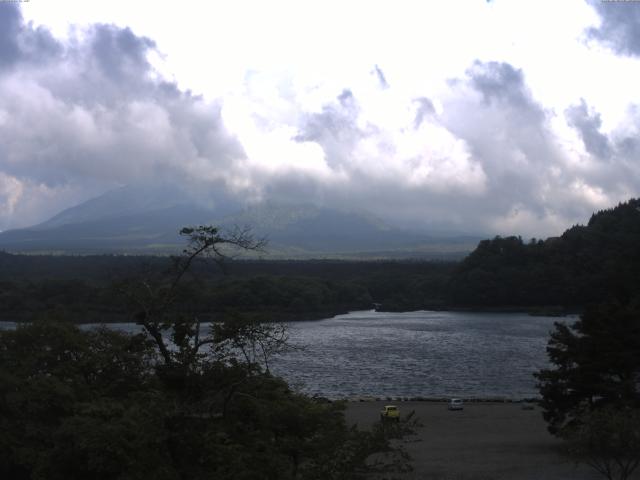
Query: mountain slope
(147,220)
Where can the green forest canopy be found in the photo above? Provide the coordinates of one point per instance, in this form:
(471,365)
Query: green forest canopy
(585,264)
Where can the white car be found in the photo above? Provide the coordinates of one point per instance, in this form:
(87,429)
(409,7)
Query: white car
(455,404)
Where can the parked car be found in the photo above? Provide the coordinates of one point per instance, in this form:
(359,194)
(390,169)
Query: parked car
(390,412)
(455,404)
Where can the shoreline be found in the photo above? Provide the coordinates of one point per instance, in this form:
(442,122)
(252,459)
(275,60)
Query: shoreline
(497,400)
(292,317)
(534,311)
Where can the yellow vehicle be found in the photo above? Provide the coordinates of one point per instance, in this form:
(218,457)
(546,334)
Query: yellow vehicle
(390,412)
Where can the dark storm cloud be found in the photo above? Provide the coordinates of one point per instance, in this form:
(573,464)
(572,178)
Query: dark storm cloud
(513,120)
(10,25)
(381,78)
(510,134)
(627,144)
(335,119)
(488,161)
(502,83)
(620,26)
(614,166)
(334,128)
(91,113)
(588,124)
(425,109)
(20,42)
(505,182)
(119,53)
(507,132)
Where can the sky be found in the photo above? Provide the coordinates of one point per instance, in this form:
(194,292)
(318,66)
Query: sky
(493,117)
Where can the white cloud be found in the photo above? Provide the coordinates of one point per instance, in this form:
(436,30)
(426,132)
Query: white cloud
(10,193)
(463,115)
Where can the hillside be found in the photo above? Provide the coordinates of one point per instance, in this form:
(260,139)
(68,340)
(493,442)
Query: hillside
(585,264)
(145,220)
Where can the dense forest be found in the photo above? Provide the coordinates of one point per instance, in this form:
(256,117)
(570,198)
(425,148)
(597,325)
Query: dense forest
(585,264)
(93,288)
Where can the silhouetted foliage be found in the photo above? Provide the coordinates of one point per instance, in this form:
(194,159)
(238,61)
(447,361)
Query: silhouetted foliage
(178,401)
(96,404)
(608,440)
(278,290)
(586,264)
(596,364)
(71,399)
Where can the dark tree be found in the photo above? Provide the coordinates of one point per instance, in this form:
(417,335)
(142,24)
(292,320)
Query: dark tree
(153,298)
(591,398)
(608,440)
(596,363)
(70,399)
(585,264)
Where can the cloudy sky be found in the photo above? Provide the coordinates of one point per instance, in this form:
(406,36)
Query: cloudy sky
(497,117)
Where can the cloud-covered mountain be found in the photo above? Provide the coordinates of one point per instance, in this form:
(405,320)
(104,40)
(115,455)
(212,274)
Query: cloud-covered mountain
(497,135)
(147,220)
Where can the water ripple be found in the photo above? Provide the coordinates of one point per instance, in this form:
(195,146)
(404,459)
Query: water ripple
(429,354)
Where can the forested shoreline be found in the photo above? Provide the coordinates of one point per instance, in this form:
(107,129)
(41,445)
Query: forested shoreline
(274,290)
(586,264)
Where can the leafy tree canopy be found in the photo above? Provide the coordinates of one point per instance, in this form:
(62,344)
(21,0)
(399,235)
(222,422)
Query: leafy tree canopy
(586,264)
(596,363)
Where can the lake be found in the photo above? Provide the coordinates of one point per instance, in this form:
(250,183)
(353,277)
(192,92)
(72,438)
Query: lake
(425,353)
(414,354)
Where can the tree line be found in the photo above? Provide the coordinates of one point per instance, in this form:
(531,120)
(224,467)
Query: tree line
(89,289)
(586,264)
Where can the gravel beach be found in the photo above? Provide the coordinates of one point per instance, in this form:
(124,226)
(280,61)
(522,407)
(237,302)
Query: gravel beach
(485,441)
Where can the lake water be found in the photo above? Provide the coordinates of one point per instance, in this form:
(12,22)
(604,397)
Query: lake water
(429,354)
(412,354)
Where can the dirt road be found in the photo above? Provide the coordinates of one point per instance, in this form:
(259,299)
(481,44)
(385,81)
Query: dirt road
(485,441)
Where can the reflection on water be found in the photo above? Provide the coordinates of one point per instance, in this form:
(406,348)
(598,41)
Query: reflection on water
(429,354)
